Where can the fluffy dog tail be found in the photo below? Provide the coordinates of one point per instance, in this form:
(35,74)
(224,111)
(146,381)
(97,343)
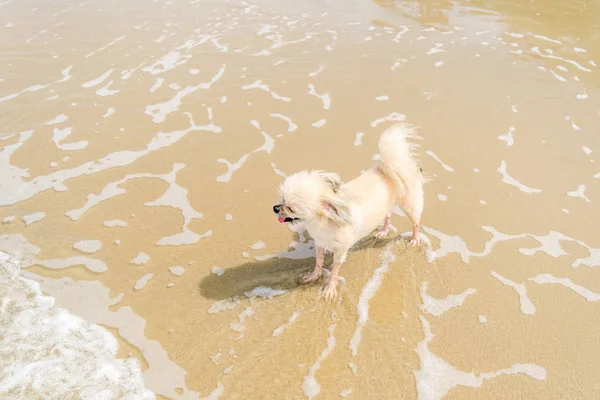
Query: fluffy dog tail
(398,158)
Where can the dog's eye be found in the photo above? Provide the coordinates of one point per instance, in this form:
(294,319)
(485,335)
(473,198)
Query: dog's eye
(290,209)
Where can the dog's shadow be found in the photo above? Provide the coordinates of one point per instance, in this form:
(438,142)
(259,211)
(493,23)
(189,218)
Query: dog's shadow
(276,273)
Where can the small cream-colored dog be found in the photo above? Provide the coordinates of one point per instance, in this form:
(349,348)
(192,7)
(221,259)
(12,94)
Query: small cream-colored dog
(337,215)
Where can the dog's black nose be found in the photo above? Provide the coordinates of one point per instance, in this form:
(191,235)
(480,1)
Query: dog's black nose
(276,209)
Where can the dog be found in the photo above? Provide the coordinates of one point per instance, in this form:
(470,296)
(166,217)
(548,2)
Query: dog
(337,214)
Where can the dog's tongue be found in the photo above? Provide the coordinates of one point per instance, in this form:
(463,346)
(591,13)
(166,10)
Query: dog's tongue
(281,219)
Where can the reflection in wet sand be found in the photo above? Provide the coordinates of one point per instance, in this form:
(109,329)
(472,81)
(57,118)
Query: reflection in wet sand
(142,148)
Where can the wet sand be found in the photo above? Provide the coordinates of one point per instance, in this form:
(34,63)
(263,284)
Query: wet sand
(140,137)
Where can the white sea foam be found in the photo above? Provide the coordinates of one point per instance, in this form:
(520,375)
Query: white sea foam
(291,125)
(58,120)
(279,330)
(106,90)
(317,71)
(98,80)
(258,245)
(527,306)
(157,84)
(115,223)
(141,259)
(267,147)
(109,112)
(16,187)
(33,218)
(260,85)
(436,158)
(175,197)
(506,178)
(310,385)
(66,75)
(509,137)
(176,270)
(217,271)
(88,246)
(587,294)
(160,111)
(366,294)
(106,47)
(58,135)
(394,116)
(139,285)
(264,292)
(437,307)
(436,377)
(579,192)
(325,98)
(162,376)
(358,139)
(319,123)
(50,353)
(167,62)
(442,197)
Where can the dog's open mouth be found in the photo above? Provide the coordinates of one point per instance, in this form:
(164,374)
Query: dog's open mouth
(287,219)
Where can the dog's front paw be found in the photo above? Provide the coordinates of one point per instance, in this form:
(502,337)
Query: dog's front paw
(311,277)
(415,241)
(330,290)
(382,233)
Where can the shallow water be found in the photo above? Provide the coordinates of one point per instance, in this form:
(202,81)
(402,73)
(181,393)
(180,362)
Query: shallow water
(143,144)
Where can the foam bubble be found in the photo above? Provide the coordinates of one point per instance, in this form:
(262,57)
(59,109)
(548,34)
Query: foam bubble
(88,246)
(32,218)
(217,271)
(109,111)
(58,120)
(482,319)
(115,223)
(176,270)
(319,123)
(358,139)
(141,259)
(139,285)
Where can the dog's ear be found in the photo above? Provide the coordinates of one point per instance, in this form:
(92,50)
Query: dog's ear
(336,210)
(332,179)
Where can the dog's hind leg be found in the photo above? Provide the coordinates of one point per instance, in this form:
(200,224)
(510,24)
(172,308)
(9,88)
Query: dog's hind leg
(387,224)
(412,204)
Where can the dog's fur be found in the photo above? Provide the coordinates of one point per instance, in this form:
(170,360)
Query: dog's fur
(337,215)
